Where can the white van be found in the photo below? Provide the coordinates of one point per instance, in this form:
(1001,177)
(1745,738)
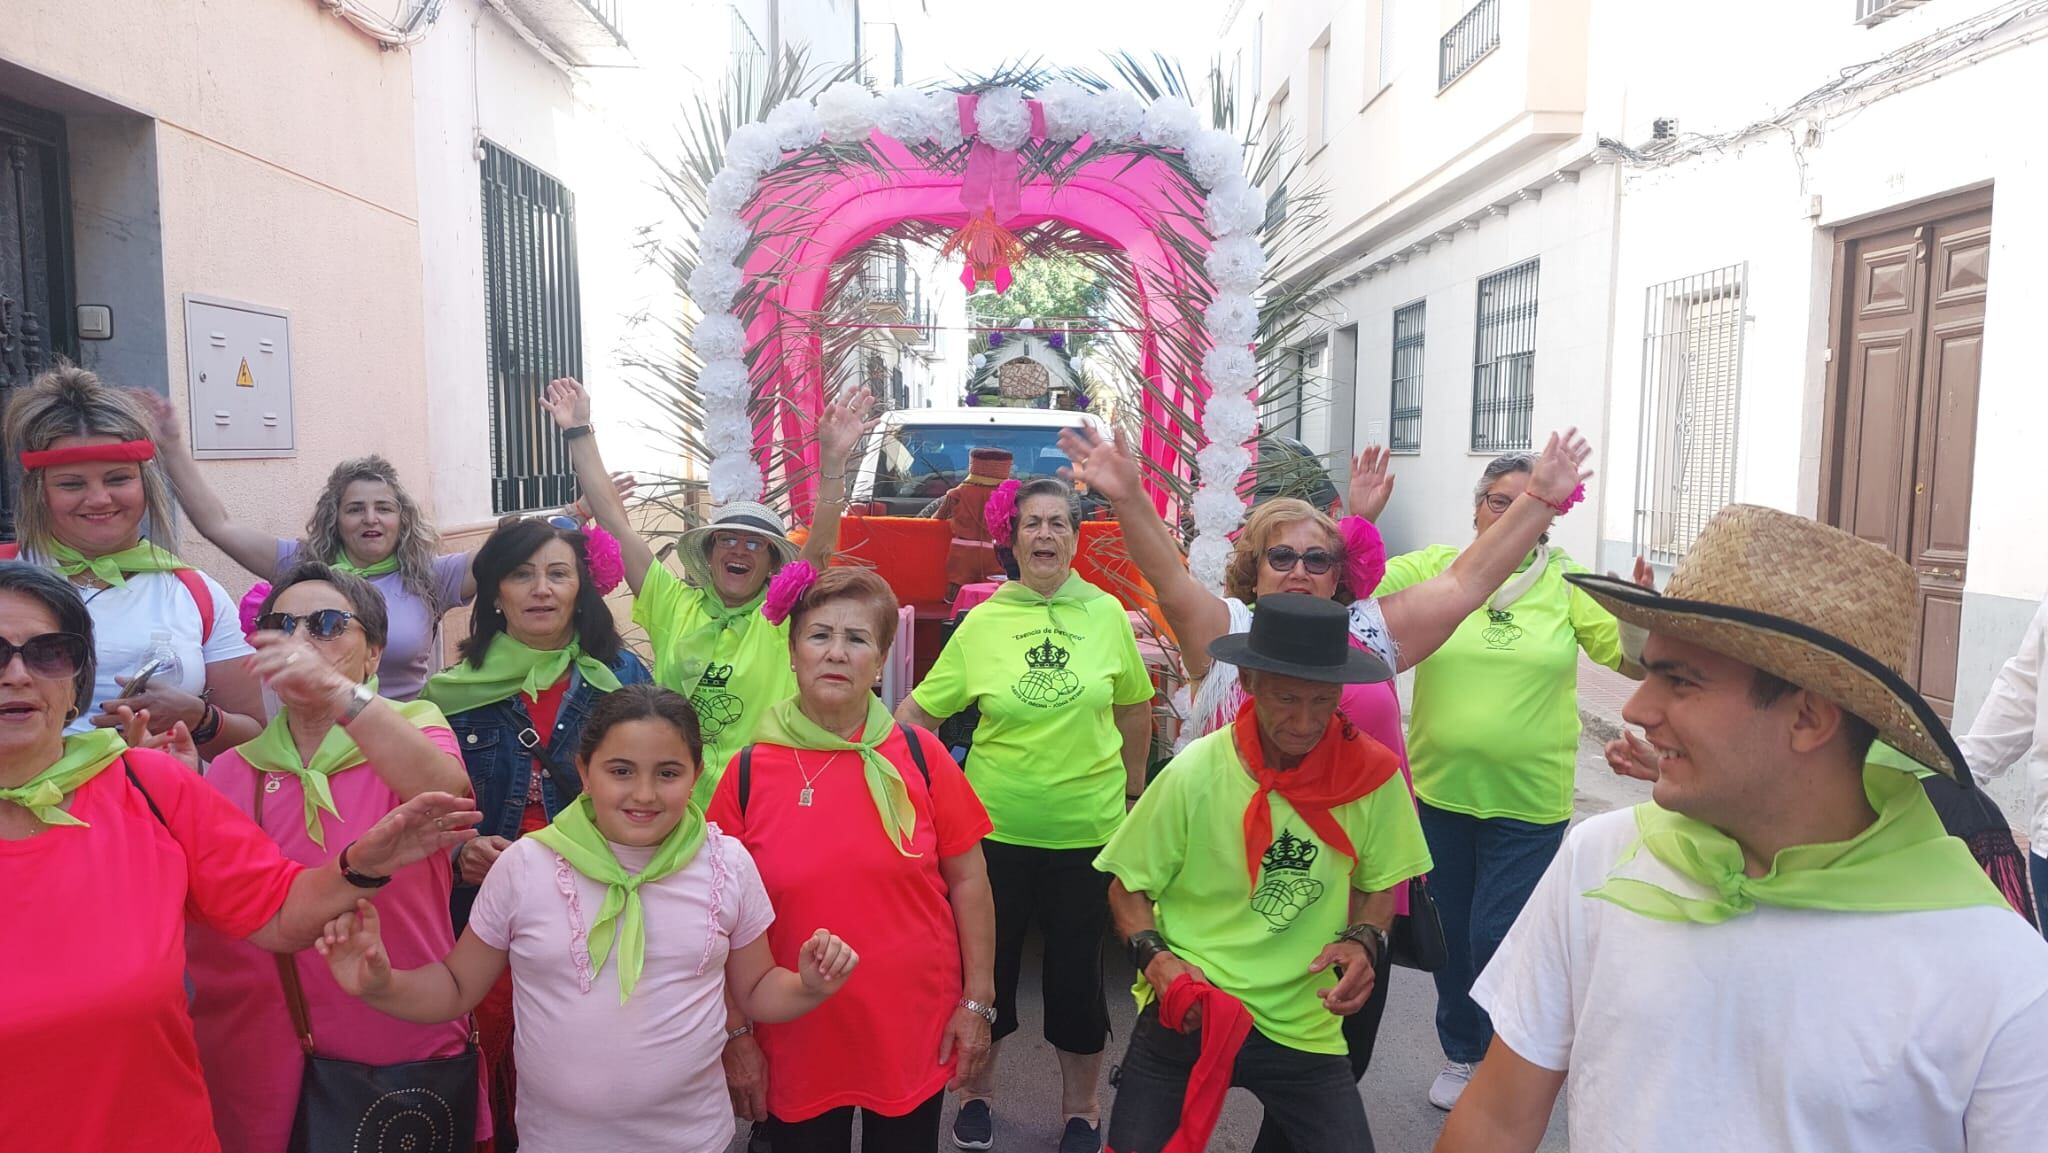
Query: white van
(915,455)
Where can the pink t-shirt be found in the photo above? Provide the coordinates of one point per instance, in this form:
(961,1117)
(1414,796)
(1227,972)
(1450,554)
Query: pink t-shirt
(247,1045)
(94,1040)
(595,1074)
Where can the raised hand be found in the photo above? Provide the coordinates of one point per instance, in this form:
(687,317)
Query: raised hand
(568,402)
(1372,483)
(1631,756)
(428,824)
(623,483)
(354,949)
(824,963)
(850,416)
(1103,464)
(165,427)
(1561,469)
(177,742)
(1645,575)
(292,668)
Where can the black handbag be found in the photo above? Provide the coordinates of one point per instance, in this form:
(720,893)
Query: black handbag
(1417,941)
(345,1107)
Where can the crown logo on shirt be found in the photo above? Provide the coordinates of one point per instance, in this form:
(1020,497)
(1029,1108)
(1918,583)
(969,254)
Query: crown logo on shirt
(1046,656)
(715,677)
(1289,854)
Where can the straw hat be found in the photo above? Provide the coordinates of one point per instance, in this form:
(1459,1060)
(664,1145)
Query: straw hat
(1808,604)
(694,549)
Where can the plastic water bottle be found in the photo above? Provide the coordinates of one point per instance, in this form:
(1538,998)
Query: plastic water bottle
(168,667)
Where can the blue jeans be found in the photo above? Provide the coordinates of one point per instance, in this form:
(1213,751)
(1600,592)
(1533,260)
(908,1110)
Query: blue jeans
(2037,868)
(1485,869)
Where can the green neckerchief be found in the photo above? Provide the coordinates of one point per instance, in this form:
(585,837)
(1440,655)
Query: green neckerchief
(574,835)
(274,751)
(785,724)
(511,667)
(383,567)
(113,568)
(84,756)
(698,647)
(1904,862)
(1074,593)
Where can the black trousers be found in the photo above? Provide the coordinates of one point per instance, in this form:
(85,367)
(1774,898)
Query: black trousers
(1361,1031)
(832,1131)
(1311,1096)
(1063,893)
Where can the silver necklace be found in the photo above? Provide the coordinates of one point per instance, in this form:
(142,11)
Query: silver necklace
(804,798)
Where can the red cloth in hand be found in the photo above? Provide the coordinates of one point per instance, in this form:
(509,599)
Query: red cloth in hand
(1225,1024)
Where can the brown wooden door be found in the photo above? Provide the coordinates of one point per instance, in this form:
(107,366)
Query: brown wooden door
(1909,324)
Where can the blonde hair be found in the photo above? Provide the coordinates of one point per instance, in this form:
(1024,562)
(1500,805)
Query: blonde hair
(418,540)
(1268,520)
(69,401)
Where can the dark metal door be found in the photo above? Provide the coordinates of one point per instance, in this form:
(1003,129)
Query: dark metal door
(35,258)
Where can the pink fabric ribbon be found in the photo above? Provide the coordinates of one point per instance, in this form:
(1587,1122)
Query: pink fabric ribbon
(994,179)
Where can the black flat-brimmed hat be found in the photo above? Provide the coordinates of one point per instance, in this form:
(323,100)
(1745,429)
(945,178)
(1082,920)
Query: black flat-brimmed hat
(1297,635)
(1806,603)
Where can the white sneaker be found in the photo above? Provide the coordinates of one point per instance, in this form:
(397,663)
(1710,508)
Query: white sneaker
(1450,1084)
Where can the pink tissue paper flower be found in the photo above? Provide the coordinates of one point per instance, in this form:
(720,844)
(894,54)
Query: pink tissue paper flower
(1365,555)
(252,604)
(785,588)
(1000,513)
(607,565)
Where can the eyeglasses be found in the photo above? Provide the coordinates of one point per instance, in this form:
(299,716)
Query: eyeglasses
(53,655)
(739,540)
(1497,503)
(321,624)
(1317,561)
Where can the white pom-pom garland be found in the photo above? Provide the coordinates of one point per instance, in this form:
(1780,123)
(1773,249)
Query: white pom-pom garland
(723,237)
(796,125)
(734,478)
(1235,208)
(719,336)
(1214,156)
(752,150)
(943,124)
(1230,369)
(713,286)
(724,380)
(1209,558)
(1114,116)
(906,115)
(848,111)
(1233,318)
(1229,419)
(1169,123)
(1067,108)
(1235,263)
(729,191)
(1002,120)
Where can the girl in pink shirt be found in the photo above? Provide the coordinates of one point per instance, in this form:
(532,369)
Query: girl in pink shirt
(624,923)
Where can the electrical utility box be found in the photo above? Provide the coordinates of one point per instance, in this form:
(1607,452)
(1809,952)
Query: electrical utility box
(238,376)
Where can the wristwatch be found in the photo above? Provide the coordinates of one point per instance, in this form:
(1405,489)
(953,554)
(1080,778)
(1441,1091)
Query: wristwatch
(1369,935)
(1146,944)
(576,432)
(985,1012)
(359,699)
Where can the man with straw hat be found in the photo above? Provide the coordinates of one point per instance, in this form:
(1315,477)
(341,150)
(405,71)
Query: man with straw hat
(1256,868)
(1782,950)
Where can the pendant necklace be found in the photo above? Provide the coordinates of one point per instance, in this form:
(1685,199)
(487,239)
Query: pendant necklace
(803,799)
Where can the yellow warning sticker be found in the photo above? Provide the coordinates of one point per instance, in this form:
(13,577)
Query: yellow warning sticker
(243,379)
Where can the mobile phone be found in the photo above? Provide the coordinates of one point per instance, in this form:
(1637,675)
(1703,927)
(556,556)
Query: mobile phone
(140,681)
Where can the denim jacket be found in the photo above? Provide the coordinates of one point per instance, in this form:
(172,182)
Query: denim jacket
(498,748)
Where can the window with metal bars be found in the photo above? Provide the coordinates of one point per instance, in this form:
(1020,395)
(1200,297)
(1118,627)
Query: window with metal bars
(534,328)
(1692,385)
(1504,360)
(1405,420)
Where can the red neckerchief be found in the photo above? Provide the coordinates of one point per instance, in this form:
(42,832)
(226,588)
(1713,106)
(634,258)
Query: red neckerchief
(1344,766)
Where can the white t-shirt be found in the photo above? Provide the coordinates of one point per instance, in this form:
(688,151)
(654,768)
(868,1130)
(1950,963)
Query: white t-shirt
(595,1075)
(125,616)
(1787,1030)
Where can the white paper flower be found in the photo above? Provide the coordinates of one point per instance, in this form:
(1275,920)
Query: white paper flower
(796,125)
(1216,507)
(752,149)
(1170,123)
(848,111)
(1066,109)
(723,382)
(727,432)
(719,337)
(906,115)
(1232,318)
(1114,116)
(1235,208)
(1229,419)
(1230,369)
(734,478)
(729,191)
(1215,156)
(942,125)
(1221,464)
(1002,120)
(1236,262)
(713,286)
(723,237)
(1208,558)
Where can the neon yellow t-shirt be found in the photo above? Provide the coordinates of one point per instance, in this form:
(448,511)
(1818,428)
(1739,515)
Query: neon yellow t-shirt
(1495,730)
(1184,845)
(749,667)
(1047,760)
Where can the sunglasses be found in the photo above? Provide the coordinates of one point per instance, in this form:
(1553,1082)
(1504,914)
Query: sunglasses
(321,624)
(1316,561)
(53,655)
(747,541)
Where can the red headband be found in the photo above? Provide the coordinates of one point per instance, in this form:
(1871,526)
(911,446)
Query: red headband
(126,452)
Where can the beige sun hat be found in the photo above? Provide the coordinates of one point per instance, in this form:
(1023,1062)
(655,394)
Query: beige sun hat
(694,549)
(1807,603)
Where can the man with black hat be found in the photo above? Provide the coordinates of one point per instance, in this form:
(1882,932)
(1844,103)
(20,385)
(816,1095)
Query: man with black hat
(1258,867)
(1782,950)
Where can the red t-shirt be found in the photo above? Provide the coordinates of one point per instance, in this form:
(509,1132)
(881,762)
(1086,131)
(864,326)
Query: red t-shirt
(542,711)
(100,1049)
(876,1043)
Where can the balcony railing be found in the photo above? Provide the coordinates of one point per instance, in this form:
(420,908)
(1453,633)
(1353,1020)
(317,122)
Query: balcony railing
(1467,43)
(585,32)
(1870,12)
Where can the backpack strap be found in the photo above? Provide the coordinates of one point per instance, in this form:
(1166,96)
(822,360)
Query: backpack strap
(916,752)
(189,577)
(745,783)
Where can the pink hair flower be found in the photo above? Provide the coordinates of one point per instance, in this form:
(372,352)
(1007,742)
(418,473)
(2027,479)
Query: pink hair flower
(1564,506)
(607,564)
(1000,513)
(786,588)
(252,606)
(1365,555)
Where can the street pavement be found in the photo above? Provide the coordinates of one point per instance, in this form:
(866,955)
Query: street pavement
(1407,1058)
